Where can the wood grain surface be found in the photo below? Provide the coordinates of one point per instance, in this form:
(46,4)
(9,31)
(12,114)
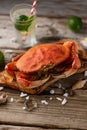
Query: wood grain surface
(51,26)
(9,127)
(47,30)
(54,115)
(50,8)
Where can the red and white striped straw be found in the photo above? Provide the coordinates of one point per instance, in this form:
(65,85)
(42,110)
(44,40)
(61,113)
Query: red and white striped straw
(33,7)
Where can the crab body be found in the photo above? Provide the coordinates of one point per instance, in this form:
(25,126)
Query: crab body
(40,59)
(42,55)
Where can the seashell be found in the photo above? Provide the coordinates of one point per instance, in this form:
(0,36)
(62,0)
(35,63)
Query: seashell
(30,105)
(3,97)
(79,84)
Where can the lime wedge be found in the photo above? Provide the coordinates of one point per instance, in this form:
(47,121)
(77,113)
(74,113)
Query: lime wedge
(75,23)
(2,60)
(23,22)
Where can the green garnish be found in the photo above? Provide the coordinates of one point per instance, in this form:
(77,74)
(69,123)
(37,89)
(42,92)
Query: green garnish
(2,61)
(23,22)
(75,23)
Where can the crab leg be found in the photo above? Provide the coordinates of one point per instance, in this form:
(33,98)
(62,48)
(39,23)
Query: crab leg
(21,84)
(76,64)
(74,59)
(23,80)
(10,68)
(17,57)
(31,84)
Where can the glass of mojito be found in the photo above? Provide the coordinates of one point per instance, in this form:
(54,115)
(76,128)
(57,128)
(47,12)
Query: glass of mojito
(24,25)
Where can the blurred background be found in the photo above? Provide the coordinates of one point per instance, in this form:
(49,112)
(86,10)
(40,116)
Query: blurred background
(51,21)
(50,8)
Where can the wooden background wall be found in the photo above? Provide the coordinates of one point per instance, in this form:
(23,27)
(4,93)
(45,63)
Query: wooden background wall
(51,8)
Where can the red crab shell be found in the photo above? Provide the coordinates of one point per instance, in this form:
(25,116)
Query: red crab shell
(42,55)
(25,68)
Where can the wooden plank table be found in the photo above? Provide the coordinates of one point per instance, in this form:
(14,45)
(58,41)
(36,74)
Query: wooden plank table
(54,116)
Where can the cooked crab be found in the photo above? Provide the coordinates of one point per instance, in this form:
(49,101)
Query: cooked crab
(42,63)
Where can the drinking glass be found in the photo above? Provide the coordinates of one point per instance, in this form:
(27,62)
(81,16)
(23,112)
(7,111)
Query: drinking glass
(25,29)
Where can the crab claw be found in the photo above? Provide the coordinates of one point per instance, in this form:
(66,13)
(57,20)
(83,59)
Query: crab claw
(10,69)
(73,60)
(11,66)
(76,64)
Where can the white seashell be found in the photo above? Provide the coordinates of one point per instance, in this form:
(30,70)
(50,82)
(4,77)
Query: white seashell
(23,94)
(85,74)
(1,88)
(52,91)
(12,100)
(23,108)
(64,101)
(27,98)
(59,99)
(44,102)
(50,98)
(60,85)
(65,94)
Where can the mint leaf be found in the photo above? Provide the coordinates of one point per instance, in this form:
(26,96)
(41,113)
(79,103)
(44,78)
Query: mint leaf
(23,22)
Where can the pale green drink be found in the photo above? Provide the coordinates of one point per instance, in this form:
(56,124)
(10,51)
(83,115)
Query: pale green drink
(24,25)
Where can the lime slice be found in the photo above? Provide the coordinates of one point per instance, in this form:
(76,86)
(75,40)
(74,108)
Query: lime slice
(75,23)
(23,22)
(1,59)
